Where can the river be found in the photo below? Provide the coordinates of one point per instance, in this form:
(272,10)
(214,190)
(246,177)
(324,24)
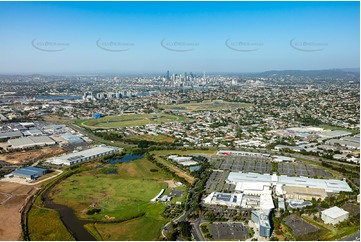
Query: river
(74,225)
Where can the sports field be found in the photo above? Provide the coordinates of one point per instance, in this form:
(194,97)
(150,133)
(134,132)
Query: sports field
(121,196)
(206,105)
(128,120)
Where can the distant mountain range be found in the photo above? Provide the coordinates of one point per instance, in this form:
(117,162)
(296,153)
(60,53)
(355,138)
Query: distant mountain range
(331,73)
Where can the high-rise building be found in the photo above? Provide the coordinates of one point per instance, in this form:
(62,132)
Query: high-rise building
(167,76)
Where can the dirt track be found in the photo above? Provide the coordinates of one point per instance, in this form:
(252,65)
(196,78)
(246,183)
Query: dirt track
(13,198)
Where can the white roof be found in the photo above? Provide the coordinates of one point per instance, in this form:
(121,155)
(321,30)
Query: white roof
(249,177)
(85,153)
(334,212)
(253,186)
(266,201)
(330,185)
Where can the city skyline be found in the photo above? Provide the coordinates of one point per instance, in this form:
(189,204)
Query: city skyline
(152,37)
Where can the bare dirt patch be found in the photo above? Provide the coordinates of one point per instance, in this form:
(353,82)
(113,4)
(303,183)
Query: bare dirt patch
(10,210)
(31,155)
(170,183)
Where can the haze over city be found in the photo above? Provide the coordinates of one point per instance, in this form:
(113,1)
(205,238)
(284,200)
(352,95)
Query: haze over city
(141,37)
(180,121)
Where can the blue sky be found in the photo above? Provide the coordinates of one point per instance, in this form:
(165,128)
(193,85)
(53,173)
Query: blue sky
(139,37)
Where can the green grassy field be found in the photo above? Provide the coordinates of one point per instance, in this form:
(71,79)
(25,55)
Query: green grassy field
(330,127)
(120,197)
(206,105)
(128,120)
(153,138)
(45,224)
(140,229)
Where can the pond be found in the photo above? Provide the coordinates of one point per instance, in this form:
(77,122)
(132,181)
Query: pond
(126,158)
(194,168)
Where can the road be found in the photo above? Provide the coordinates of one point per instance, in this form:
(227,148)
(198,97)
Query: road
(196,231)
(298,155)
(353,237)
(317,159)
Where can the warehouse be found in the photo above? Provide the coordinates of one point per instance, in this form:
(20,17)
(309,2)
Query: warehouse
(241,153)
(29,173)
(334,134)
(282,159)
(8,135)
(304,193)
(224,199)
(85,155)
(329,185)
(28,142)
(72,138)
(176,158)
(32,132)
(334,215)
(261,219)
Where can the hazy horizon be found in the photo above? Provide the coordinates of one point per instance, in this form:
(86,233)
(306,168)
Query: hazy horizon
(153,37)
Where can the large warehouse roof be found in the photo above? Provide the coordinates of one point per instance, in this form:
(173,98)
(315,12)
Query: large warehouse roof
(11,134)
(31,141)
(83,155)
(235,177)
(330,185)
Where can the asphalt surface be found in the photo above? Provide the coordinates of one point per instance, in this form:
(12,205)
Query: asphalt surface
(353,237)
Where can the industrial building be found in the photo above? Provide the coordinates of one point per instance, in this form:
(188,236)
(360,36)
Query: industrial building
(334,215)
(85,155)
(261,219)
(259,155)
(72,138)
(334,134)
(282,159)
(29,173)
(328,185)
(304,193)
(31,141)
(243,200)
(32,132)
(4,136)
(224,199)
(183,160)
(241,153)
(176,158)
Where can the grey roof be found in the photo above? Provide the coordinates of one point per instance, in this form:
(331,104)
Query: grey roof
(32,132)
(11,134)
(334,134)
(31,141)
(72,138)
(32,168)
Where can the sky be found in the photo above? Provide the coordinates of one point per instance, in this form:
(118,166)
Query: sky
(145,37)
